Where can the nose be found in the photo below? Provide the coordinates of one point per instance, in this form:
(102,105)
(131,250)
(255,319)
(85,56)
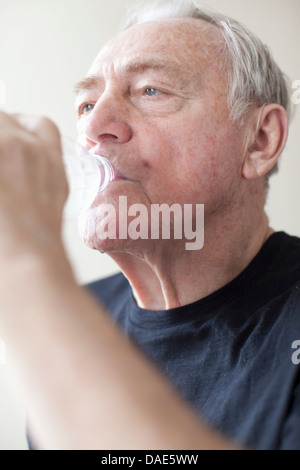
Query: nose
(107,123)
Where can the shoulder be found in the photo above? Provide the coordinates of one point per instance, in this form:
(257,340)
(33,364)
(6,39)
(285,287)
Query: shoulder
(279,260)
(285,248)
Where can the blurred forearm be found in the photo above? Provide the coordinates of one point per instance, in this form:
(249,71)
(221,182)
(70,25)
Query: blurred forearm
(87,386)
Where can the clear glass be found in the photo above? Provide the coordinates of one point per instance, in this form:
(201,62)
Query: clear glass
(87,174)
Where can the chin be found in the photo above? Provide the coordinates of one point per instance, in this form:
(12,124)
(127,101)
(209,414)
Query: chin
(92,227)
(87,229)
(104,225)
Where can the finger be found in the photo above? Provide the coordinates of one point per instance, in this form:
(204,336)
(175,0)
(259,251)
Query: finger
(42,127)
(8,120)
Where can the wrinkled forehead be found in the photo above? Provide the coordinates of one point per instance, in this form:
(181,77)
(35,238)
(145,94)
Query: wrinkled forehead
(187,41)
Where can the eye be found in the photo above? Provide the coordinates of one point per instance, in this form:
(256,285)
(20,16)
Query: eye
(86,108)
(149,91)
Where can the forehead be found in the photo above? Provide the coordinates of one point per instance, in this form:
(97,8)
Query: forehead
(187,42)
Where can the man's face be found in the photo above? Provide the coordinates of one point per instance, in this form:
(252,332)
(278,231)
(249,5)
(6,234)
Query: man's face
(155,104)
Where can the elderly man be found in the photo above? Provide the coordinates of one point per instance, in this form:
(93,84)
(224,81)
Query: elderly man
(190,109)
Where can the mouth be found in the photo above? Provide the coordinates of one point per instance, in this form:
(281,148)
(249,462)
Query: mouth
(116,173)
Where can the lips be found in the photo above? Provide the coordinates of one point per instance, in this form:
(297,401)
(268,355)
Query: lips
(118,175)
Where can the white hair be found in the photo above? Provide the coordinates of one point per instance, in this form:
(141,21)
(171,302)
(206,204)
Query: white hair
(254,78)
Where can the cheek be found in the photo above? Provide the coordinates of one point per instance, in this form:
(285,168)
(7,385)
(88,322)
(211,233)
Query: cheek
(207,163)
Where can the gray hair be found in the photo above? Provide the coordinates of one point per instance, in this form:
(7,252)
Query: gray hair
(254,78)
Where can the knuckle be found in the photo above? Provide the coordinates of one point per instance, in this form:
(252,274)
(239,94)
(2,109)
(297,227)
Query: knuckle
(10,142)
(46,122)
(49,133)
(16,144)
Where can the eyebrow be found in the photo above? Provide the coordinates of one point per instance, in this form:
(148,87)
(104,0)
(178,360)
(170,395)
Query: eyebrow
(172,68)
(87,83)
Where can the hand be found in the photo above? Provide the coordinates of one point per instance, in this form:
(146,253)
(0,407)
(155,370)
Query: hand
(33,186)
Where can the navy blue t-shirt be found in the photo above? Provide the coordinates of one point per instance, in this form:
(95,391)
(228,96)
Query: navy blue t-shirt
(230,354)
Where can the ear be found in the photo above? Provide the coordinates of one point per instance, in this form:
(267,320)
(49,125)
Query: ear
(268,141)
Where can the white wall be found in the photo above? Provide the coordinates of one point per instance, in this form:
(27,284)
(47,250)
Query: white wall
(47,45)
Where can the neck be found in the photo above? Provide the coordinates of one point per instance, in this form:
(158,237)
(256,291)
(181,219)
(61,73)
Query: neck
(167,276)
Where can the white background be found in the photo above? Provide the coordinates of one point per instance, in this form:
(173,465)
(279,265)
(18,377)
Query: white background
(48,45)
